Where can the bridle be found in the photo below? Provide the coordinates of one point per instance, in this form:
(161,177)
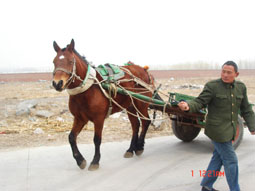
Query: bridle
(73,74)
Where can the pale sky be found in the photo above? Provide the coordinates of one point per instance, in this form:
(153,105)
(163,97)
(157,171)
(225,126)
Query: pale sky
(157,33)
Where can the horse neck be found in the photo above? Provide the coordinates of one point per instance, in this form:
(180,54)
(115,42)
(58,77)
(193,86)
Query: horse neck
(81,71)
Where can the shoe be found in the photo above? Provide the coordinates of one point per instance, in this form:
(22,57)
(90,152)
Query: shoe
(205,189)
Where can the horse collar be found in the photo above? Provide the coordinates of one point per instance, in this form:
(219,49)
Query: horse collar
(85,84)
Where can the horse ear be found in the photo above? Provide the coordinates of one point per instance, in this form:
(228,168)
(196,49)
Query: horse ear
(56,47)
(71,46)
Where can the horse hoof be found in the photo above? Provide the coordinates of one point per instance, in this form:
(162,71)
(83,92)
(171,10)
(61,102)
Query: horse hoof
(138,153)
(93,167)
(128,155)
(83,164)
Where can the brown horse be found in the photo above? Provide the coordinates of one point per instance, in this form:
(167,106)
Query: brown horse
(91,104)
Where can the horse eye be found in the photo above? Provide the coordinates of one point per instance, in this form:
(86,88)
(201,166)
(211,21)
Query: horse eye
(72,61)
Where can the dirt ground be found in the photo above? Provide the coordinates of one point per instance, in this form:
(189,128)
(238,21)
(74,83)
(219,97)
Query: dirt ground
(32,130)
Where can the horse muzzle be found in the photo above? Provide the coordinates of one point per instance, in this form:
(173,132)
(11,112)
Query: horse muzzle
(58,85)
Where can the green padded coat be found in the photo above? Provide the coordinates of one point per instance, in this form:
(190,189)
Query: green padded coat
(224,102)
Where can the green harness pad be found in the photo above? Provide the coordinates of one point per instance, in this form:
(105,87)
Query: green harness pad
(110,72)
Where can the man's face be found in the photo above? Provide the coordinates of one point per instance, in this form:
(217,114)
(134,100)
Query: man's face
(228,74)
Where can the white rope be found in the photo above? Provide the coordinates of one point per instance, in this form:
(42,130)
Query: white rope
(131,97)
(132,100)
(138,80)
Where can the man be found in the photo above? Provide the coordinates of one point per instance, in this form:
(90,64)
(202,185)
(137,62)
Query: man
(223,98)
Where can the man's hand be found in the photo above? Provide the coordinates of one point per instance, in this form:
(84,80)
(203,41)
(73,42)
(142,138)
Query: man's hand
(183,106)
(253,132)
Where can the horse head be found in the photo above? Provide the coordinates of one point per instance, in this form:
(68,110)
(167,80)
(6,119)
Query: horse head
(65,66)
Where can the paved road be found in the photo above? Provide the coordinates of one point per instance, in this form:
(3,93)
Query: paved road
(166,165)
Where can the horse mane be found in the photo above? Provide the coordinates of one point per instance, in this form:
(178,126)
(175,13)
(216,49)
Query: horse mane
(83,58)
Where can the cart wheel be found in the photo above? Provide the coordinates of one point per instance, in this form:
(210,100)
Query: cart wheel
(239,133)
(183,132)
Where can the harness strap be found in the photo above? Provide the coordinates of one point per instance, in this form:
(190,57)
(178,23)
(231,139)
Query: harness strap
(61,69)
(110,106)
(87,75)
(150,87)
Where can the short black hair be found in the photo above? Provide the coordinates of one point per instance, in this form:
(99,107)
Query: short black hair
(231,63)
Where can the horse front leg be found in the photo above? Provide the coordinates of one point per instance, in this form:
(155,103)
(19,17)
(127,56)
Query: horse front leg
(77,127)
(98,128)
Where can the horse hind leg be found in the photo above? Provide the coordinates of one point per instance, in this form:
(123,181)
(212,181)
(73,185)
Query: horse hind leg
(145,126)
(135,123)
(77,127)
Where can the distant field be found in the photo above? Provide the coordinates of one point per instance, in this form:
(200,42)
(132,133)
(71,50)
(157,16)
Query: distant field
(158,74)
